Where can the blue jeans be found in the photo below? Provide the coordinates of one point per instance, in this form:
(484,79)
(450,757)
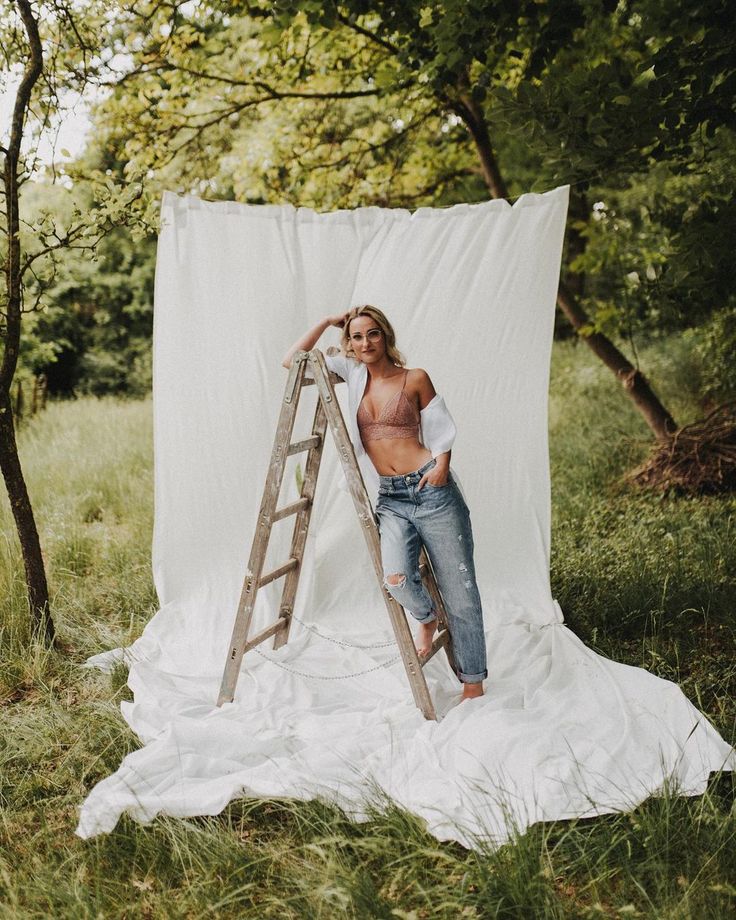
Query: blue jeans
(438,517)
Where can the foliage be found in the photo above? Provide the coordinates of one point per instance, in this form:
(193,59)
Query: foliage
(90,328)
(340,105)
(715,346)
(62,230)
(657,248)
(346,104)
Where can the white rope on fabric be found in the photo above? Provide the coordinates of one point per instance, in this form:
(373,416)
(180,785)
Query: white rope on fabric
(341,641)
(377,667)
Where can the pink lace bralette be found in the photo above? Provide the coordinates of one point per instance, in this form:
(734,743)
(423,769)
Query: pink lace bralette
(398,419)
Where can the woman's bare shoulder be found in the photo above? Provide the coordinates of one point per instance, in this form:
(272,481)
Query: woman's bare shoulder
(421,384)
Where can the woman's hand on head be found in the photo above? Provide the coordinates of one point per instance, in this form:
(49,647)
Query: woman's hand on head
(338,319)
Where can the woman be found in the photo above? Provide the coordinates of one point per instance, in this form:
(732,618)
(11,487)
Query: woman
(418,498)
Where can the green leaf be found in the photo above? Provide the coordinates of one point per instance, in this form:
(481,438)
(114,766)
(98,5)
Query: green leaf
(646,76)
(384,77)
(425,17)
(270,35)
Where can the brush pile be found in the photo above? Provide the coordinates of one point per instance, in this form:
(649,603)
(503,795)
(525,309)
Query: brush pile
(697,459)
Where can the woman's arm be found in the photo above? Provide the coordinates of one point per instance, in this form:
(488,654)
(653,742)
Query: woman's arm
(310,339)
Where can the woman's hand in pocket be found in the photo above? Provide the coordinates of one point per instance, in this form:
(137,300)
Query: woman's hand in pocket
(437,476)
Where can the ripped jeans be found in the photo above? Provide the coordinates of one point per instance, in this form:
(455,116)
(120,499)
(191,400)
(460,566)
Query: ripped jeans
(438,517)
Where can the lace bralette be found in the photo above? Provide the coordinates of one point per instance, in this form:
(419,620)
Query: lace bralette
(398,419)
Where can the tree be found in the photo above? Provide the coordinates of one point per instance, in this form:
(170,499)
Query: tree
(52,46)
(38,594)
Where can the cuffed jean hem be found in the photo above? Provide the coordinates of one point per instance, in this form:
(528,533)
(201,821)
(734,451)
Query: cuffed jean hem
(430,617)
(472,678)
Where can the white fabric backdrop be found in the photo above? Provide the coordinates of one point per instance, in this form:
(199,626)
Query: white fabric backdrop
(470,289)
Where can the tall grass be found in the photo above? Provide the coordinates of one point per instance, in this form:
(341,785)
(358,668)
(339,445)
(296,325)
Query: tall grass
(645,580)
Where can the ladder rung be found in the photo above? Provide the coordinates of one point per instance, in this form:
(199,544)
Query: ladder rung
(298,505)
(334,378)
(277,573)
(306,444)
(265,633)
(437,643)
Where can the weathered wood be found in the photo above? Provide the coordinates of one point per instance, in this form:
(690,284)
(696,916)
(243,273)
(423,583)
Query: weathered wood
(306,444)
(441,640)
(298,505)
(327,412)
(289,566)
(269,500)
(275,627)
(301,524)
(430,583)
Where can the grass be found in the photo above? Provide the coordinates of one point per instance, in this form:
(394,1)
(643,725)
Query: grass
(645,580)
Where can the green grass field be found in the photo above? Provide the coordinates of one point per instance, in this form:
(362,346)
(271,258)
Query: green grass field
(642,579)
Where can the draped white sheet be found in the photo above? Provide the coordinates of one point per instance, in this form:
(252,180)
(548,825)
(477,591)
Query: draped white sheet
(561,731)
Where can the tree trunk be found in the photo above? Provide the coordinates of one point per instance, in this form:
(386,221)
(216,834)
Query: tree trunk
(20,503)
(634,382)
(38,592)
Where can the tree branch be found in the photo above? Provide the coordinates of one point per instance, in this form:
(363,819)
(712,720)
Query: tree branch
(366,33)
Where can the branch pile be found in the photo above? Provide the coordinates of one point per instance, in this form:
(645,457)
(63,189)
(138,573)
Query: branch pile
(698,459)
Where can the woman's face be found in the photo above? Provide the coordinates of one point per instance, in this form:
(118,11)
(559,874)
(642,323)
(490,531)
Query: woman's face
(367,339)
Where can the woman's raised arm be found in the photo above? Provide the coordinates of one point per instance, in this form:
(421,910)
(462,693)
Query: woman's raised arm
(310,339)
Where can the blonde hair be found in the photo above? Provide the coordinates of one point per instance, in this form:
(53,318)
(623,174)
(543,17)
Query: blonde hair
(380,318)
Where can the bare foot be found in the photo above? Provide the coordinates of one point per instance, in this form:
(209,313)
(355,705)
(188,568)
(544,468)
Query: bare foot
(471,691)
(425,636)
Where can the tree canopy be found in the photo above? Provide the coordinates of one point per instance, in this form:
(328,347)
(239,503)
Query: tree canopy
(332,105)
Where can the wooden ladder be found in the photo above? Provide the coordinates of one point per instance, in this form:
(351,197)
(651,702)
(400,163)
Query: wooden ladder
(327,411)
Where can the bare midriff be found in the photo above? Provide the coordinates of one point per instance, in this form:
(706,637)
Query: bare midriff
(396,456)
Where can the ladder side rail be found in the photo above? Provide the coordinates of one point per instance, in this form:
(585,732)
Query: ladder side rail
(444,637)
(274,477)
(301,522)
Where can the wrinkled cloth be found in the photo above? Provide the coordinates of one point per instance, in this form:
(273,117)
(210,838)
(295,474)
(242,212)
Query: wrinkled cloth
(561,731)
